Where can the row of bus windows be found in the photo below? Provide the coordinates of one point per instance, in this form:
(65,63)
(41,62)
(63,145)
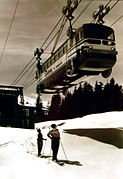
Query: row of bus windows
(62,50)
(58,54)
(79,35)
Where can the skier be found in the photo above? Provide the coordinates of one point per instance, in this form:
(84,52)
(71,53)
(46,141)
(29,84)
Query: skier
(39,141)
(54,135)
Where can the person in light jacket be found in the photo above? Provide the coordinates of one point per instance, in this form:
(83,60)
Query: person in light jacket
(54,135)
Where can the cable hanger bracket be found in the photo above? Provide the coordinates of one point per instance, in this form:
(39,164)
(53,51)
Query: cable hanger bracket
(37,53)
(100,14)
(68,12)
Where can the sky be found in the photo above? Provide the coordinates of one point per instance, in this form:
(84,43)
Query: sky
(83,156)
(25,25)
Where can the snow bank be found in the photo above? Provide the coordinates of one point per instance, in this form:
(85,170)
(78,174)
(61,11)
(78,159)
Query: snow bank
(101,120)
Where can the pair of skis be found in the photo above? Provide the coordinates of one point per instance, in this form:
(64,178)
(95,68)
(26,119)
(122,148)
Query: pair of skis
(59,163)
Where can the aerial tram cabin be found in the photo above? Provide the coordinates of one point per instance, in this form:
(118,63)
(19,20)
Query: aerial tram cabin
(90,50)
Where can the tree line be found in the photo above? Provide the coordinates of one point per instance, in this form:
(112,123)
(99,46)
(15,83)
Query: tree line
(87,99)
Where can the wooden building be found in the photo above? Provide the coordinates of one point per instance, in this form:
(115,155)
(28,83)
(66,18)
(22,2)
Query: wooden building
(13,114)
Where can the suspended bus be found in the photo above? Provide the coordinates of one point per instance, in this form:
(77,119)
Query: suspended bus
(90,50)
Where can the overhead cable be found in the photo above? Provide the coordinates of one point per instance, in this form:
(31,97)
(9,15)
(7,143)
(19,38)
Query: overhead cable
(30,83)
(27,67)
(59,33)
(29,76)
(51,32)
(114,4)
(82,11)
(117,20)
(9,31)
(23,72)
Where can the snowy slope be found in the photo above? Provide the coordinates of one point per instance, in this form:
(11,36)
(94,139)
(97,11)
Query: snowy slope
(84,156)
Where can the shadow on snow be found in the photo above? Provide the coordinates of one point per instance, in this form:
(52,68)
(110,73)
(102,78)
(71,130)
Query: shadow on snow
(69,162)
(113,136)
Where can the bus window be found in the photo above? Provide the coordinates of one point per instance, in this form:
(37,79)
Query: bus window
(58,54)
(107,42)
(61,52)
(42,68)
(81,33)
(71,42)
(93,41)
(110,36)
(77,37)
(45,66)
(54,58)
(64,50)
(48,64)
(98,31)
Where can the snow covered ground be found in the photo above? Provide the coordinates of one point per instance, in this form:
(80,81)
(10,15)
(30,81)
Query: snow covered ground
(82,150)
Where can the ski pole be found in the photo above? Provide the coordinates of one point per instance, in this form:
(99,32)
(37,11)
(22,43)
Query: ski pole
(64,151)
(49,156)
(44,146)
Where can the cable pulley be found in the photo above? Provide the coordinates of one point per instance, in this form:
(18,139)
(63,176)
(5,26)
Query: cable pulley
(38,53)
(68,12)
(100,14)
(69,9)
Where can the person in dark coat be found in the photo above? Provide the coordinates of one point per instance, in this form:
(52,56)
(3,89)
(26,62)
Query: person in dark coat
(40,141)
(54,135)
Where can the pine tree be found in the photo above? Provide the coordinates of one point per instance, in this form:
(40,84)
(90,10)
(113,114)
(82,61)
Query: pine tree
(54,108)
(99,97)
(66,107)
(78,101)
(113,96)
(88,96)
(39,110)
(87,100)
